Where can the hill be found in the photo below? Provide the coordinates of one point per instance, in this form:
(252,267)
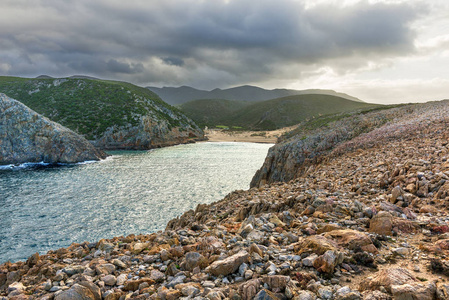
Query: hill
(213,112)
(270,114)
(183,94)
(115,115)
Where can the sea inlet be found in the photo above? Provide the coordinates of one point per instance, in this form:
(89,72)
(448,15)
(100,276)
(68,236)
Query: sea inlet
(48,207)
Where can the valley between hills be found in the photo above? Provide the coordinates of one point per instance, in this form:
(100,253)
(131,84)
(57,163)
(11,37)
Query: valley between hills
(347,205)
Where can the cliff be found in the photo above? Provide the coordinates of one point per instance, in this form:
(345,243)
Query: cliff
(111,114)
(26,136)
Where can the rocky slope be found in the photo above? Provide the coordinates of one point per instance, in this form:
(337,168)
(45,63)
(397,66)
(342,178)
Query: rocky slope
(329,135)
(368,220)
(26,136)
(114,115)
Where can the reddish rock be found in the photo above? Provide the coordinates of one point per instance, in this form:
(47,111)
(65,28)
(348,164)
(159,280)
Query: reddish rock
(315,244)
(327,262)
(352,239)
(382,223)
(387,278)
(133,285)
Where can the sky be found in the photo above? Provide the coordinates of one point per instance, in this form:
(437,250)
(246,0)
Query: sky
(381,51)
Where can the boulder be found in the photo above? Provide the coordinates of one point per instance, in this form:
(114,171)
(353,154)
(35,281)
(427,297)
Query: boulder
(442,291)
(382,223)
(26,136)
(352,239)
(132,285)
(315,244)
(110,280)
(277,283)
(387,278)
(375,295)
(305,295)
(105,269)
(414,291)
(265,295)
(248,290)
(228,265)
(193,260)
(327,262)
(93,288)
(139,247)
(76,292)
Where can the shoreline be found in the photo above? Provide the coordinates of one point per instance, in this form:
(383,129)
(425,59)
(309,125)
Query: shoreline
(265,137)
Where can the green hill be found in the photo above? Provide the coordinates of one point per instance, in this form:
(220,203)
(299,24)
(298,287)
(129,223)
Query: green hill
(270,114)
(113,114)
(212,112)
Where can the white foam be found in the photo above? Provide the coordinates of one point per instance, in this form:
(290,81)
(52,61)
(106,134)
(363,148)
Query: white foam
(87,162)
(42,164)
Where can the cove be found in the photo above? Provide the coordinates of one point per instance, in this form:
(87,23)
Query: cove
(131,192)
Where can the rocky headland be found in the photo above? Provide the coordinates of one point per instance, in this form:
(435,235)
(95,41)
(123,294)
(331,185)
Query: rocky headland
(26,136)
(364,216)
(112,115)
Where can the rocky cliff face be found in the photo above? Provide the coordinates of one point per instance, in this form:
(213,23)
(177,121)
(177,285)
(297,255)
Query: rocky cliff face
(295,154)
(150,132)
(26,136)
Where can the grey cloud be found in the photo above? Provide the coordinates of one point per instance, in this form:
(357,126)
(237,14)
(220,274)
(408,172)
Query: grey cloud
(115,66)
(198,42)
(173,61)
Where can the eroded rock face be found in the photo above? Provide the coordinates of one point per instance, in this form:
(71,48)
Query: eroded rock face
(150,133)
(26,136)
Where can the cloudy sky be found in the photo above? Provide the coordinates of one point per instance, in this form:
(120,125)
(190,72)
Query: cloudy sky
(382,51)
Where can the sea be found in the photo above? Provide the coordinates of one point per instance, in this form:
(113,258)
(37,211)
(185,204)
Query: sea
(47,207)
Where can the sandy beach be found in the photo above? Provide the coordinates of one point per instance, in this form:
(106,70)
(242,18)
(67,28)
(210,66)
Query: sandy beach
(269,137)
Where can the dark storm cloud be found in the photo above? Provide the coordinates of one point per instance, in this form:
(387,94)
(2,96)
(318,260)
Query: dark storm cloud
(200,42)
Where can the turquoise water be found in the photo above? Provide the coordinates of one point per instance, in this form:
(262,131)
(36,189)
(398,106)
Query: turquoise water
(44,208)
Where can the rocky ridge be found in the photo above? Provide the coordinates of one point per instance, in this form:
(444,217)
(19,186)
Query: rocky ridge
(366,222)
(26,136)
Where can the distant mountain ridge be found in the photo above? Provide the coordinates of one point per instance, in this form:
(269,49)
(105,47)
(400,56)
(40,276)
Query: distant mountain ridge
(183,94)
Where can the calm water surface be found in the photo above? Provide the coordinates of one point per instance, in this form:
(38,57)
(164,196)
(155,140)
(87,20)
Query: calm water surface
(131,192)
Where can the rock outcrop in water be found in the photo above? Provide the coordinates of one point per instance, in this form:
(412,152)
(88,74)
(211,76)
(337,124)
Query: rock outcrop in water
(26,136)
(368,220)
